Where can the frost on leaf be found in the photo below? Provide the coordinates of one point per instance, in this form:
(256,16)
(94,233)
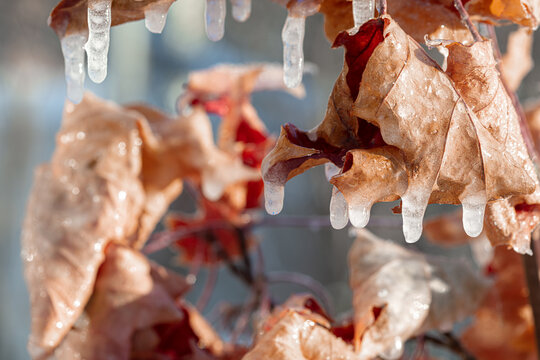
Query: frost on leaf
(398,293)
(418,18)
(130,294)
(503,326)
(298,330)
(430,148)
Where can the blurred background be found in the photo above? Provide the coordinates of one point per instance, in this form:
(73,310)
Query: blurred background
(154,68)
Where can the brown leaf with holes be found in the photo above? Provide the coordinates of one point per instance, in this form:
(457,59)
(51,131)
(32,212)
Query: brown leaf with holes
(130,294)
(71,16)
(393,107)
(503,326)
(398,293)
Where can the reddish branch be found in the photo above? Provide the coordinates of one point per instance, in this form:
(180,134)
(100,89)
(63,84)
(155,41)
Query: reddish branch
(466,20)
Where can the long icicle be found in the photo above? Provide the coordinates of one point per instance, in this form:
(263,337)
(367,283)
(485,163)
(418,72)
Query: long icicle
(293,52)
(73,51)
(97,47)
(216,10)
(241,9)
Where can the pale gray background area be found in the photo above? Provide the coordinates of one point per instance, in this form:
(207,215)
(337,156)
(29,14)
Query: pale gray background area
(153,68)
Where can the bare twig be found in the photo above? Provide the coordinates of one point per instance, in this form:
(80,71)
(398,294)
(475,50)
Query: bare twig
(208,288)
(466,20)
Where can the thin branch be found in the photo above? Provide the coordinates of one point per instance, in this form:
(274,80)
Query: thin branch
(208,289)
(449,342)
(530,264)
(466,20)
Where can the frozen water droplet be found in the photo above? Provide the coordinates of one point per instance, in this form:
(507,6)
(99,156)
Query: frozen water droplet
(215,19)
(339,216)
(330,170)
(212,187)
(473,214)
(155,16)
(363,10)
(359,214)
(293,53)
(73,51)
(241,9)
(97,47)
(394,351)
(413,209)
(273,197)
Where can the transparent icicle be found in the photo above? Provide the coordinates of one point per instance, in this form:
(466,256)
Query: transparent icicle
(339,216)
(330,170)
(363,10)
(73,50)
(413,210)
(293,53)
(359,214)
(155,16)
(273,197)
(97,47)
(241,9)
(473,214)
(216,10)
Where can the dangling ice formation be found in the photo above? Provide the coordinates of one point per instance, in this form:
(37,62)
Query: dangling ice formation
(73,51)
(241,9)
(97,47)
(215,19)
(293,53)
(155,16)
(363,10)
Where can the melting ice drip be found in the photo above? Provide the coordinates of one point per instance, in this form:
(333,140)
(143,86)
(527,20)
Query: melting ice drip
(359,214)
(215,19)
(241,9)
(97,47)
(363,10)
(273,197)
(412,210)
(155,16)
(293,53)
(73,51)
(473,214)
(339,215)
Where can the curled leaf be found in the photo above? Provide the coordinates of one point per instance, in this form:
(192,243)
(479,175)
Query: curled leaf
(522,12)
(398,293)
(130,294)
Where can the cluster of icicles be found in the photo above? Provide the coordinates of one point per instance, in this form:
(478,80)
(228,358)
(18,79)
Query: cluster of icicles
(96,42)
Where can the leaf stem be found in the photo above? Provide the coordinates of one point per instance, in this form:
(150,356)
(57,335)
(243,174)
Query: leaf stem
(466,20)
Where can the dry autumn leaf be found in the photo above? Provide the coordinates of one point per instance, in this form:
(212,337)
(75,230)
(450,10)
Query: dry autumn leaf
(517,61)
(130,294)
(522,12)
(398,293)
(503,326)
(394,109)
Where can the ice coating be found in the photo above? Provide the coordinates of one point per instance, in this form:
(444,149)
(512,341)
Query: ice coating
(412,211)
(330,170)
(155,16)
(73,51)
(339,216)
(359,214)
(293,53)
(241,9)
(363,11)
(273,197)
(97,47)
(473,214)
(215,19)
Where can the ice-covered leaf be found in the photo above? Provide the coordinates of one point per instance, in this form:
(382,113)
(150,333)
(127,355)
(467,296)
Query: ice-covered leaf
(398,293)
(503,326)
(394,108)
(418,18)
(296,330)
(130,294)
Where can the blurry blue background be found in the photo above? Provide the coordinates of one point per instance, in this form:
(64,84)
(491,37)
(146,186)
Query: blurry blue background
(153,68)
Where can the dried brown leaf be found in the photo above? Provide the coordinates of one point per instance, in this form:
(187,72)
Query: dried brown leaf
(517,62)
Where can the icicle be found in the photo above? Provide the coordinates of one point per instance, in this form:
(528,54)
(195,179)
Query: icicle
(73,50)
(363,10)
(293,53)
(359,214)
(412,210)
(273,197)
(330,170)
(97,47)
(155,16)
(215,19)
(339,216)
(473,214)
(241,9)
